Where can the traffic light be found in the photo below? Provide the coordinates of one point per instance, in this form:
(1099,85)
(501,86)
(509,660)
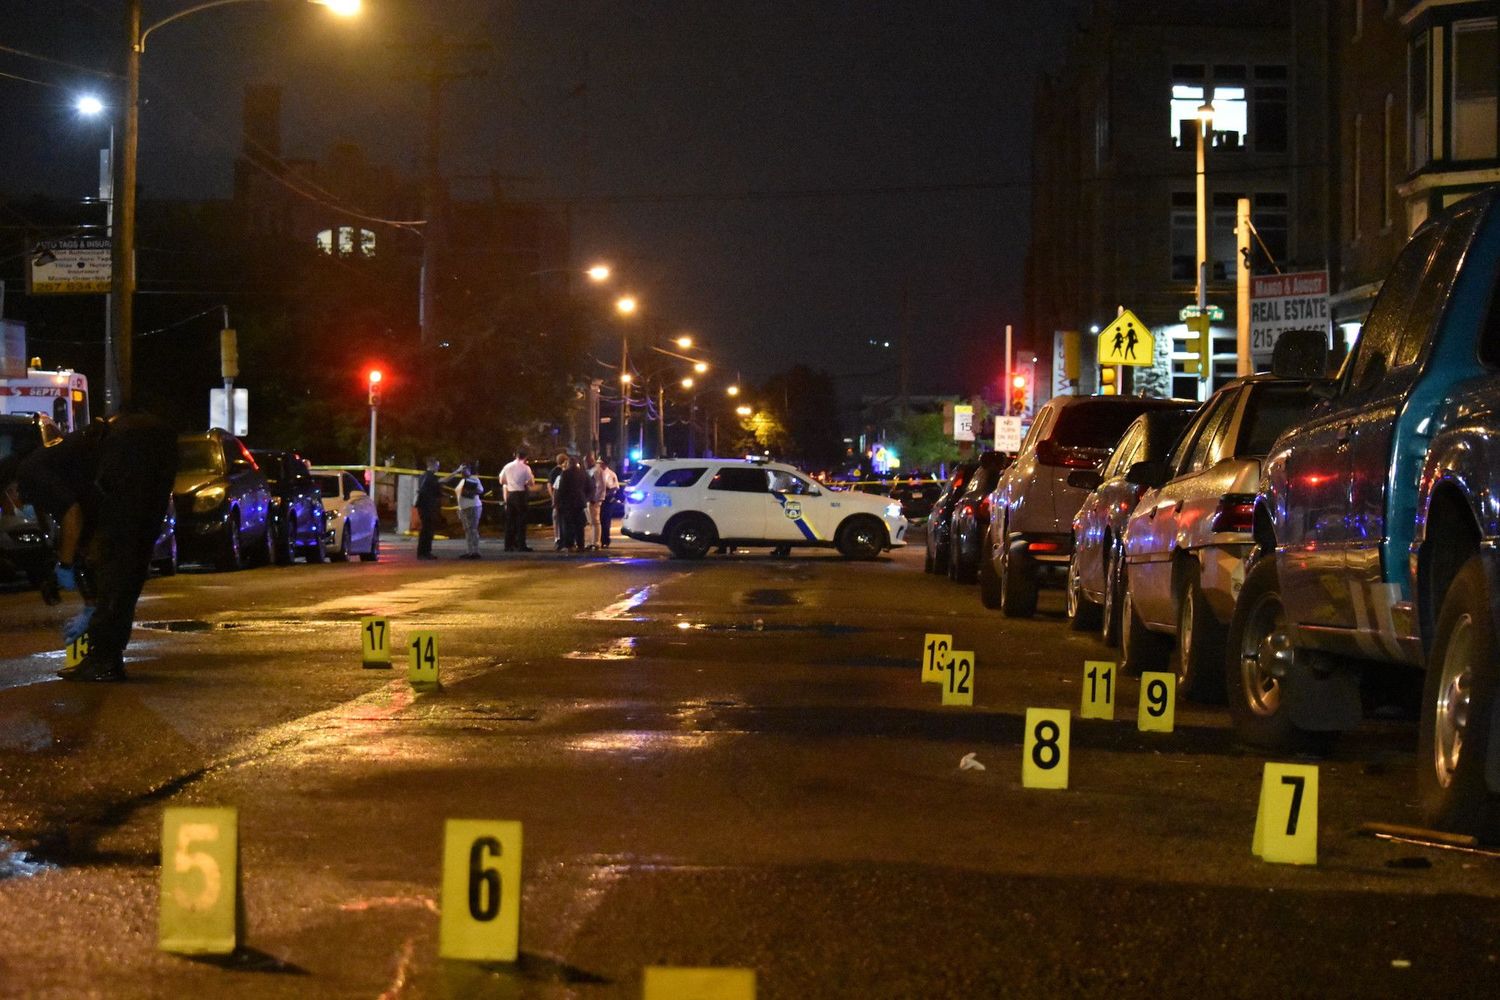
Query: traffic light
(1107,385)
(373,377)
(1020,395)
(1197,343)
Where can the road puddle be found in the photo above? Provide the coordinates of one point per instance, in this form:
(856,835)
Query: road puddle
(639,741)
(620,611)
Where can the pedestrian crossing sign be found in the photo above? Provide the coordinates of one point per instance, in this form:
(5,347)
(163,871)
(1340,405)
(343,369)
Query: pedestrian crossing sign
(1127,341)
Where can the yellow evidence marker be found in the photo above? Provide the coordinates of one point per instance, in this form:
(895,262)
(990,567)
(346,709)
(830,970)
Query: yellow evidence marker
(934,651)
(1286,823)
(77,650)
(958,679)
(1098,690)
(424,660)
(375,641)
(1157,712)
(663,982)
(200,905)
(481,894)
(1044,755)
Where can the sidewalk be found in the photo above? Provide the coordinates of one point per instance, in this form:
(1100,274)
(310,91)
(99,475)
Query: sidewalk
(541,540)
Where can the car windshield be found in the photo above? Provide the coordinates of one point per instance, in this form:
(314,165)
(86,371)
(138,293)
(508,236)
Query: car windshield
(18,438)
(328,485)
(1097,424)
(1272,409)
(200,455)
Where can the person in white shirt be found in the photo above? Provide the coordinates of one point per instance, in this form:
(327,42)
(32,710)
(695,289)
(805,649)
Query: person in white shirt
(604,482)
(469,490)
(515,485)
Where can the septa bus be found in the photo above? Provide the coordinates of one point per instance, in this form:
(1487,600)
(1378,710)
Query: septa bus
(62,395)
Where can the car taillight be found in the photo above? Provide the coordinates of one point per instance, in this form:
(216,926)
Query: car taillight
(984,507)
(1049,452)
(1043,547)
(1236,512)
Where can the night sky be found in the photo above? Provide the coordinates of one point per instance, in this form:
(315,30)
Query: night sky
(769,176)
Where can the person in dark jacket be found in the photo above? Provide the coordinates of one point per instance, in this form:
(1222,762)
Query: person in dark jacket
(429,508)
(107,487)
(572,502)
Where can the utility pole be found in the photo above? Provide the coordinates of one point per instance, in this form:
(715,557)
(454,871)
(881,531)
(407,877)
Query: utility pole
(122,246)
(1243,364)
(434,194)
(661,421)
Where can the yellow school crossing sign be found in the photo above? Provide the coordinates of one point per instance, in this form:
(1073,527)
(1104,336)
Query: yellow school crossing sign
(1127,341)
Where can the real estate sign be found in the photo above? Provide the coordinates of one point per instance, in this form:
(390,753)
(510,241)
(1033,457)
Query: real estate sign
(1282,302)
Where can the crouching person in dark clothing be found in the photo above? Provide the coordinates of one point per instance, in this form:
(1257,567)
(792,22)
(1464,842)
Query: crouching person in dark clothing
(107,486)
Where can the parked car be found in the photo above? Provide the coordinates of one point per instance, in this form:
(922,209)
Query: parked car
(1186,541)
(939,519)
(916,496)
(1030,537)
(693,505)
(1094,568)
(353,522)
(223,502)
(25,540)
(1376,531)
(298,520)
(971,519)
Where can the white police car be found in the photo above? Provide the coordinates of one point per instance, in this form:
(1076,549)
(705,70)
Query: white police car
(694,504)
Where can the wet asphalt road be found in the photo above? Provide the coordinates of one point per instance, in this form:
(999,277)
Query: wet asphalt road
(724,763)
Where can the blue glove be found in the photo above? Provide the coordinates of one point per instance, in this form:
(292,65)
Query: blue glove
(77,625)
(66,579)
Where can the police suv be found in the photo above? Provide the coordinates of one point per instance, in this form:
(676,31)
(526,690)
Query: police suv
(693,505)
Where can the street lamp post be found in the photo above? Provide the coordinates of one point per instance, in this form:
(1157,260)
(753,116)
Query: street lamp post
(122,247)
(625,305)
(1205,343)
(91,107)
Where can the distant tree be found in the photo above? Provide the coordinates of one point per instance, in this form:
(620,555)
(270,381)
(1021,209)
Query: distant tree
(799,409)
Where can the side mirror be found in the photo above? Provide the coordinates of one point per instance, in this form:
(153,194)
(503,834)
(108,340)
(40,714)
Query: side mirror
(1148,474)
(1300,354)
(1084,479)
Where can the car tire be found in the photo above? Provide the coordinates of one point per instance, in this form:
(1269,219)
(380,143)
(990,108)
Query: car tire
(374,554)
(342,555)
(1140,648)
(1114,595)
(989,580)
(690,536)
(928,564)
(1200,641)
(314,553)
(861,538)
(958,571)
(168,566)
(1083,614)
(231,556)
(1018,587)
(284,551)
(1458,709)
(1256,706)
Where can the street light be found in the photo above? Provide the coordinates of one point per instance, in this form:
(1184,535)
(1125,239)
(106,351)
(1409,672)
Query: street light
(743,411)
(701,367)
(122,248)
(598,273)
(684,342)
(687,383)
(1205,122)
(624,378)
(733,390)
(626,305)
(89,106)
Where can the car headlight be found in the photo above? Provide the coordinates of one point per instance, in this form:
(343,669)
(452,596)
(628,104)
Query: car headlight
(208,498)
(893,510)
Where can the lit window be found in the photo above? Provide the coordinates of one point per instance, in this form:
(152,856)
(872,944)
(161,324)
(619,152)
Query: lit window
(1419,107)
(1231,123)
(325,241)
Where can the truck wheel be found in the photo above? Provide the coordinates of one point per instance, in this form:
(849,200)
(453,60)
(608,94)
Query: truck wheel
(690,536)
(1200,642)
(1140,648)
(1017,587)
(989,580)
(1260,656)
(861,538)
(1083,614)
(1458,709)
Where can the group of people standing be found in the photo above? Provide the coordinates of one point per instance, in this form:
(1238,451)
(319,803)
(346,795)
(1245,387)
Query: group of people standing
(580,492)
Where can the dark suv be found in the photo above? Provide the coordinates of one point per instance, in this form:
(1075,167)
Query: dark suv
(298,520)
(24,541)
(222,500)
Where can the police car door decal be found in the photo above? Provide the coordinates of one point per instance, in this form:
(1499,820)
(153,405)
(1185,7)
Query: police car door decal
(791,508)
